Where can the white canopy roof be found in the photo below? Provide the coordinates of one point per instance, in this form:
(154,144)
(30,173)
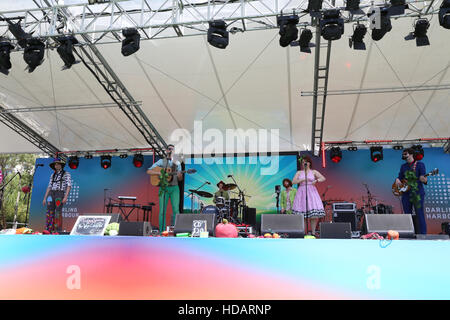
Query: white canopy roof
(252,84)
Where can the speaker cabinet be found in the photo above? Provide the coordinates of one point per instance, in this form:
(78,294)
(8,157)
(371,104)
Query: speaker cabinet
(141,228)
(249,216)
(382,223)
(432,237)
(183,222)
(292,225)
(335,230)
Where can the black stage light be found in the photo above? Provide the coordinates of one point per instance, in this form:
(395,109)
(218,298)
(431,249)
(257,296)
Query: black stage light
(420,33)
(397,147)
(419,153)
(444,14)
(314,6)
(34,53)
(352,5)
(138,160)
(218,36)
(356,40)
(352,149)
(73,162)
(105,162)
(18,33)
(397,7)
(65,51)
(335,154)
(123,156)
(332,25)
(88,156)
(376,153)
(385,25)
(5,59)
(288,29)
(131,42)
(304,41)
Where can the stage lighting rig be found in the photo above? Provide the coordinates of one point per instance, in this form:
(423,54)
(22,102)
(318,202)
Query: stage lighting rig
(123,156)
(376,153)
(419,153)
(336,154)
(353,148)
(332,25)
(138,160)
(356,40)
(397,7)
(385,25)
(65,51)
(73,162)
(397,147)
(18,33)
(131,43)
(352,5)
(314,7)
(218,36)
(34,53)
(105,162)
(420,33)
(5,59)
(444,14)
(288,29)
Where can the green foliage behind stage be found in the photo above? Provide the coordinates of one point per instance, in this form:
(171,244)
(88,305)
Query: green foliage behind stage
(10,164)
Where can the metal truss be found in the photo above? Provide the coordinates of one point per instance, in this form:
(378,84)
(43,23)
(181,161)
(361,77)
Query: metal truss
(26,132)
(61,108)
(376,90)
(435,142)
(176,18)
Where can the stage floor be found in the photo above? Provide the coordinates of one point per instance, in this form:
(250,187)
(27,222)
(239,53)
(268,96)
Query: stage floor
(74,267)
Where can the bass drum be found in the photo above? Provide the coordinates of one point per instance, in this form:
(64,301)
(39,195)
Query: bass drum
(211,209)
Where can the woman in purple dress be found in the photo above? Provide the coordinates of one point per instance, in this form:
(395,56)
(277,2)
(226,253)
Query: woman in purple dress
(315,209)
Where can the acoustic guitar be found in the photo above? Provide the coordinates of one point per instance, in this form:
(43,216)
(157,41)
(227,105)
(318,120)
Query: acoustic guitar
(156,179)
(404,187)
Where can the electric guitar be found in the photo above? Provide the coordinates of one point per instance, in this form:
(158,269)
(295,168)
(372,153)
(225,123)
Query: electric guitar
(398,190)
(156,179)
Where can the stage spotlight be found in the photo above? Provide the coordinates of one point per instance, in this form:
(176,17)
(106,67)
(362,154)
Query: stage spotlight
(352,5)
(352,148)
(444,14)
(18,33)
(138,160)
(397,7)
(288,29)
(123,156)
(105,162)
(34,53)
(5,60)
(73,162)
(88,156)
(420,33)
(65,51)
(419,153)
(397,147)
(304,41)
(385,25)
(376,153)
(335,154)
(356,40)
(314,6)
(332,25)
(218,36)
(131,42)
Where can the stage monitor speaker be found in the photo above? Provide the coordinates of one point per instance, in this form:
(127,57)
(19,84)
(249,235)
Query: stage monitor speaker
(345,212)
(382,223)
(249,216)
(141,228)
(432,237)
(183,222)
(115,217)
(291,225)
(335,230)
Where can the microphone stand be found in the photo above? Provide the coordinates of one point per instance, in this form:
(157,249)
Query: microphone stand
(278,201)
(241,195)
(306,198)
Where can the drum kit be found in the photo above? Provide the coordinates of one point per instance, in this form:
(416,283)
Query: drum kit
(223,209)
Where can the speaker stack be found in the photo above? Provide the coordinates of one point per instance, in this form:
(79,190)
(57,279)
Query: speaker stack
(345,212)
(291,225)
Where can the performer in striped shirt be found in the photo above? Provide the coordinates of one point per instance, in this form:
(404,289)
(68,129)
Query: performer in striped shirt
(56,195)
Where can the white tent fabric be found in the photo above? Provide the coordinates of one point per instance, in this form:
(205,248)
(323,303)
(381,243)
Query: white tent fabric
(252,84)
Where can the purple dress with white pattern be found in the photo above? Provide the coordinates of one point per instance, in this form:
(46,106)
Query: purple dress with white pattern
(315,205)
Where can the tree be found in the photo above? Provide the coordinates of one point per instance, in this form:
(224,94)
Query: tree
(9,165)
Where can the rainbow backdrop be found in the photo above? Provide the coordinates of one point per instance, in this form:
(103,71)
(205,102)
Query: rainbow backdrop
(36,267)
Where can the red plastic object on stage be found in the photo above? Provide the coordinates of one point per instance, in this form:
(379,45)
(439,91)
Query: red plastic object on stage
(26,189)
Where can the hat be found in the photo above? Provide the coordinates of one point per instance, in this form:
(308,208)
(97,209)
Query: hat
(57,160)
(221,182)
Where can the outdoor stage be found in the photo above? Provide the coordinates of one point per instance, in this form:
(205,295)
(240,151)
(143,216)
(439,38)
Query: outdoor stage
(74,267)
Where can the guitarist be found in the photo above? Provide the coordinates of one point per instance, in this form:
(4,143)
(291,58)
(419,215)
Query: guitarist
(172,191)
(418,167)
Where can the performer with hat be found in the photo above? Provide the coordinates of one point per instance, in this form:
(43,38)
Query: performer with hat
(56,195)
(221,192)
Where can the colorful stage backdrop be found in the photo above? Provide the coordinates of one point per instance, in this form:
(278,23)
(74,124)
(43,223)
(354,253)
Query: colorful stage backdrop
(256,176)
(91,185)
(346,181)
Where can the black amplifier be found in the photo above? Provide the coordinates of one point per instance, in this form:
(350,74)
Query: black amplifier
(345,212)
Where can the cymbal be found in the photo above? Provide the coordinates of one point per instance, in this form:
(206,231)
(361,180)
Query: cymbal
(229,186)
(202,193)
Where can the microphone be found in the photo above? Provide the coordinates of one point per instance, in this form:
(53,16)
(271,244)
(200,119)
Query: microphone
(207,182)
(230,175)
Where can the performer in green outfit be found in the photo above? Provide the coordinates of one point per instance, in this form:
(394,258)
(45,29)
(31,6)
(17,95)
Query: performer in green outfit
(287,196)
